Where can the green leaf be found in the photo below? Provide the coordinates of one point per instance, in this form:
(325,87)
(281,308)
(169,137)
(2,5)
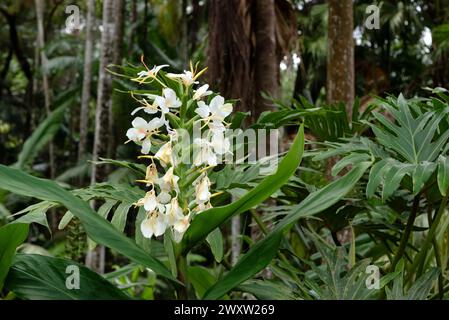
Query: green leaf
(207,221)
(215,241)
(97,228)
(170,251)
(349,160)
(443,174)
(11,236)
(120,216)
(40,137)
(263,252)
(37,214)
(141,241)
(201,279)
(36,277)
(68,216)
(421,174)
(247,266)
(376,175)
(103,211)
(267,290)
(421,287)
(394,177)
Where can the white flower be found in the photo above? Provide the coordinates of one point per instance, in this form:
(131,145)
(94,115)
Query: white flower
(151,175)
(147,107)
(142,76)
(203,110)
(165,153)
(169,181)
(149,202)
(164,197)
(216,126)
(154,225)
(168,101)
(219,109)
(216,111)
(187,77)
(173,212)
(203,207)
(202,193)
(220,143)
(205,154)
(138,131)
(181,225)
(141,128)
(146,146)
(201,92)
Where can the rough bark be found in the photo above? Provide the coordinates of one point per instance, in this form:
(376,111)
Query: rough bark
(87,79)
(104,91)
(340,60)
(133,27)
(266,64)
(117,43)
(40,8)
(230,49)
(95,258)
(194,25)
(247,39)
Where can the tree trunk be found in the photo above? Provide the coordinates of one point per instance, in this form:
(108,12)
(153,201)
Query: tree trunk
(230,49)
(104,91)
(87,78)
(95,258)
(266,64)
(133,27)
(41,44)
(340,59)
(117,43)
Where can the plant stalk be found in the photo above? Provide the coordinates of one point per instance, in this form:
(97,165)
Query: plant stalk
(406,235)
(419,260)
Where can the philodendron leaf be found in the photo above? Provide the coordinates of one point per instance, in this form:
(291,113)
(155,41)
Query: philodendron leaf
(376,176)
(260,255)
(443,174)
(97,228)
(37,277)
(11,236)
(421,174)
(207,221)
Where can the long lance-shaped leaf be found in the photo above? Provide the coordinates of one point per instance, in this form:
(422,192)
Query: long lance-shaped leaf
(11,236)
(45,132)
(260,255)
(207,221)
(36,277)
(97,228)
